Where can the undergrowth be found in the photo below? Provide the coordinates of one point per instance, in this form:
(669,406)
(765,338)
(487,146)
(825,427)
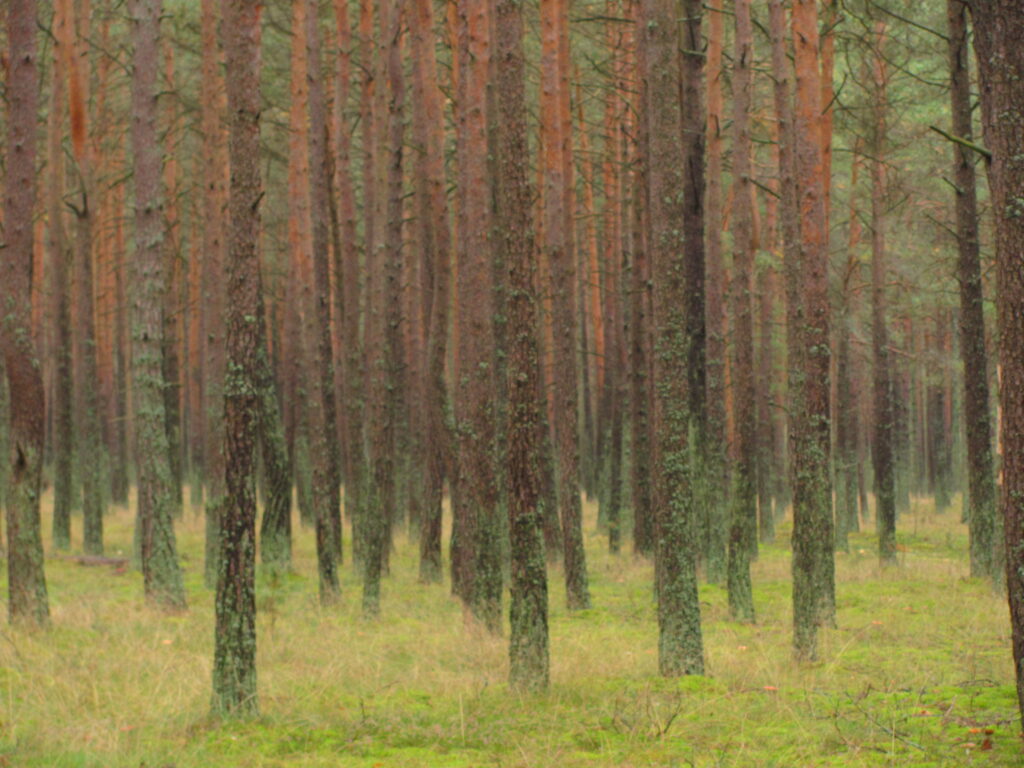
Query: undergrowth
(918,671)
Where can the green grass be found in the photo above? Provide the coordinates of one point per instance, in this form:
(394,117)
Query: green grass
(918,672)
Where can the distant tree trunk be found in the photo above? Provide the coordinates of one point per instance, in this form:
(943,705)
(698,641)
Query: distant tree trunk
(713,546)
(173,300)
(885,498)
(59,257)
(27,600)
(390,394)
(986,545)
(480,579)
(528,643)
(998,30)
(846,400)
(743,506)
(320,384)
(612,367)
(428,131)
(559,246)
(160,570)
(640,356)
(89,439)
(680,647)
(349,274)
(813,558)
(789,212)
(234,665)
(214,180)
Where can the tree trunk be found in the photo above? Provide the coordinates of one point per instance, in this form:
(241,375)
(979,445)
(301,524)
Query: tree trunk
(743,506)
(160,569)
(59,257)
(999,28)
(528,643)
(713,546)
(89,438)
(214,181)
(480,580)
(559,247)
(680,647)
(813,558)
(27,600)
(428,130)
(234,666)
(320,384)
(885,497)
(986,545)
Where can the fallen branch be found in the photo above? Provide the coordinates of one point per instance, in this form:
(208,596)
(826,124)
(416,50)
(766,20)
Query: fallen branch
(114,562)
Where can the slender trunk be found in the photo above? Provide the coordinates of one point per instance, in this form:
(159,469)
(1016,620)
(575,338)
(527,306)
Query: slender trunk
(743,506)
(528,643)
(234,668)
(320,384)
(559,247)
(883,453)
(27,600)
(160,570)
(986,545)
(480,581)
(713,525)
(428,130)
(640,319)
(813,557)
(999,28)
(680,646)
(214,182)
(59,257)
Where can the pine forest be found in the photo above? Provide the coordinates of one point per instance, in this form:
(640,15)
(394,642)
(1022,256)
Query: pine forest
(512,383)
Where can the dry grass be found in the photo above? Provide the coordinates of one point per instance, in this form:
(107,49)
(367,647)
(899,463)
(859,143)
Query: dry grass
(918,668)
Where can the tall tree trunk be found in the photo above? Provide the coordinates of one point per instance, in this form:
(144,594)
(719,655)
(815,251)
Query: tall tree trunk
(27,600)
(713,546)
(559,246)
(428,131)
(214,181)
(528,643)
(480,582)
(743,506)
(160,570)
(680,646)
(998,30)
(89,432)
(885,498)
(320,385)
(846,397)
(986,545)
(813,556)
(234,668)
(349,274)
(59,258)
(173,308)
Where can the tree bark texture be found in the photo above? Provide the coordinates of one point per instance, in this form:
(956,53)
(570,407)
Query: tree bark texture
(680,646)
(234,661)
(27,599)
(161,572)
(528,642)
(999,29)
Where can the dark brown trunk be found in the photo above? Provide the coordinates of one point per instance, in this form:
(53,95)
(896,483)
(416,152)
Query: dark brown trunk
(999,29)
(986,544)
(528,642)
(27,601)
(234,670)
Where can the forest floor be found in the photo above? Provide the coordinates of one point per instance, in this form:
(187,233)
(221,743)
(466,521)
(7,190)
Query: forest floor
(917,673)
